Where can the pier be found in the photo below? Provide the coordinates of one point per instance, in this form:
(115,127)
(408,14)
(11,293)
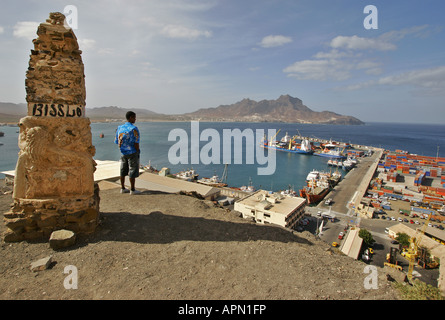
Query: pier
(351,189)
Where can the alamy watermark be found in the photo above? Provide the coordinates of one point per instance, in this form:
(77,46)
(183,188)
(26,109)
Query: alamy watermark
(371,21)
(70,282)
(371,280)
(187,149)
(71,16)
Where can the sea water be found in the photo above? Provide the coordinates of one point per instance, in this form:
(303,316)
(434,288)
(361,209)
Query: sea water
(291,169)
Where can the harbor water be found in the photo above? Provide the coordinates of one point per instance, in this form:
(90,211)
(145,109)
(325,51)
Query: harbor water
(290,169)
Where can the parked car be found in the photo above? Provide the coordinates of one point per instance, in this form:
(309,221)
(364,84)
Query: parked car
(341,234)
(411,221)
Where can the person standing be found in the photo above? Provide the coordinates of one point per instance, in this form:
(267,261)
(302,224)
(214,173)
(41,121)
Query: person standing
(128,137)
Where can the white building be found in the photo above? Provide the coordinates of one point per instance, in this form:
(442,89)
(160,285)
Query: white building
(276,209)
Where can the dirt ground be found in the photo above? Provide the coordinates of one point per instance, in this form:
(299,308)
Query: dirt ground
(170,247)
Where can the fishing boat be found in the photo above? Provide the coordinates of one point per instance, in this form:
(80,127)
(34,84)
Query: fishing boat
(189,175)
(149,168)
(330,153)
(214,181)
(249,187)
(313,194)
(330,150)
(318,185)
(348,164)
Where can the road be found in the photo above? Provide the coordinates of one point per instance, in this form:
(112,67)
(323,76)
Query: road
(347,189)
(377,227)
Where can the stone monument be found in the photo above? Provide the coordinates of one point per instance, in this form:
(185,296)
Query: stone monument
(54,177)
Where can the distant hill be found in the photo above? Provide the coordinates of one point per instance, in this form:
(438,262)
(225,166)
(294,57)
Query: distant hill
(12,112)
(284,109)
(113,112)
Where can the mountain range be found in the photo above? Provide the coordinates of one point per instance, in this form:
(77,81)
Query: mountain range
(284,109)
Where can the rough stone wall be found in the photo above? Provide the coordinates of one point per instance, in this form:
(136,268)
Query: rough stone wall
(54,179)
(56,72)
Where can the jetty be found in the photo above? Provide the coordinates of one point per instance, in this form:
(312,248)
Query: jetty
(352,188)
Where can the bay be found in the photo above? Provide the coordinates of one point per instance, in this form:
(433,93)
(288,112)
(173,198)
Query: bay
(291,169)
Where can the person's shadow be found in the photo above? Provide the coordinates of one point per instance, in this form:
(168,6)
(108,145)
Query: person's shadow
(157,227)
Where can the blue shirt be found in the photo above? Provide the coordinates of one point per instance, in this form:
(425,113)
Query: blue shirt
(126,136)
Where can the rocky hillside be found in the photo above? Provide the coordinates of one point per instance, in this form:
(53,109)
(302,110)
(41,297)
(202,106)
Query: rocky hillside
(168,247)
(284,109)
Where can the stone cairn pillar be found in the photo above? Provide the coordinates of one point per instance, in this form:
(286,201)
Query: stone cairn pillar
(54,178)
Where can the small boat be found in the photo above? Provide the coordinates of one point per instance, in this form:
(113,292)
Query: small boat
(149,168)
(333,154)
(101,135)
(348,165)
(213,181)
(189,175)
(248,188)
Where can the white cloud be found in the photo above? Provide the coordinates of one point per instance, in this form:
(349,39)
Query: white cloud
(330,69)
(429,78)
(181,32)
(86,44)
(26,29)
(2,30)
(333,54)
(191,5)
(359,43)
(385,42)
(348,53)
(319,70)
(433,78)
(274,41)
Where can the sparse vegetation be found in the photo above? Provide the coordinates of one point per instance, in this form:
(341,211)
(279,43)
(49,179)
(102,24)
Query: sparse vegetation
(419,291)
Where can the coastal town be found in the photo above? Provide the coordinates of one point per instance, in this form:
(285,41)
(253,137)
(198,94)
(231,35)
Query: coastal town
(180,235)
(387,193)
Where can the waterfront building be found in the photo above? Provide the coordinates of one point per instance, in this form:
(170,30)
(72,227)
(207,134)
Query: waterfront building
(264,207)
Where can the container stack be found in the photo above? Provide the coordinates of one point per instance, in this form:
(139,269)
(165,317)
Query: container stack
(392,175)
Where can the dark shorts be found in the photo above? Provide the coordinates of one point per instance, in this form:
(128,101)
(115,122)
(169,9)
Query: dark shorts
(130,165)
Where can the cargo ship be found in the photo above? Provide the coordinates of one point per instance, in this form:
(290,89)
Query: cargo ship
(330,153)
(318,185)
(331,150)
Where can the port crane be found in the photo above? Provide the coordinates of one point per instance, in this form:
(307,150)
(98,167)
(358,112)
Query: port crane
(225,173)
(273,137)
(413,249)
(295,137)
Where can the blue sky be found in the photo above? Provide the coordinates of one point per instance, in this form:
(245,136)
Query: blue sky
(176,56)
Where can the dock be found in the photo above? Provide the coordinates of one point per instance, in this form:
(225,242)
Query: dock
(351,189)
